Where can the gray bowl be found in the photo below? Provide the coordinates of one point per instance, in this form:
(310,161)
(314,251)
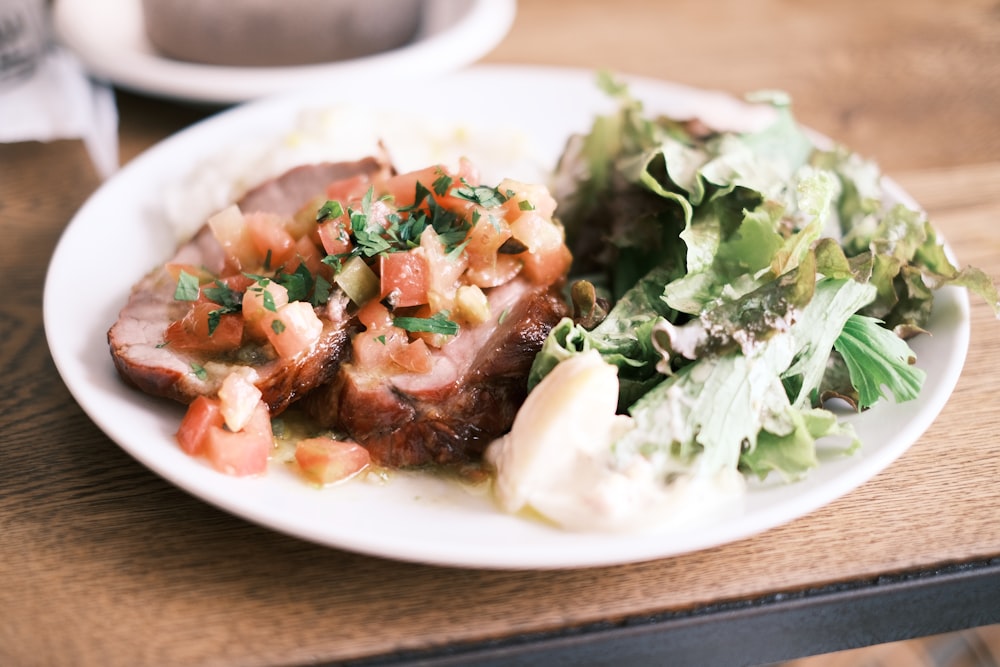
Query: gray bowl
(263,33)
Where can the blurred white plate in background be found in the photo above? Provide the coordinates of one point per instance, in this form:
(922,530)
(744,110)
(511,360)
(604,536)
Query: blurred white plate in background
(109,38)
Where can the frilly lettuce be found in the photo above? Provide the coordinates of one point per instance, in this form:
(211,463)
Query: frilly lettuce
(752,276)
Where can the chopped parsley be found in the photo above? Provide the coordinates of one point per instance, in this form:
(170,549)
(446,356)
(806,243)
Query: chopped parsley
(442,184)
(187,287)
(483,195)
(372,230)
(298,283)
(403,228)
(229,300)
(199,371)
(438,323)
(221,294)
(330,210)
(321,291)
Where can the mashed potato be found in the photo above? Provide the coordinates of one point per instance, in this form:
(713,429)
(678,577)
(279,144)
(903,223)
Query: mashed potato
(346,133)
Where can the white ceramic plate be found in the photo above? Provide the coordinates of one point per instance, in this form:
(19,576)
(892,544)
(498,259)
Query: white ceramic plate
(119,234)
(108,37)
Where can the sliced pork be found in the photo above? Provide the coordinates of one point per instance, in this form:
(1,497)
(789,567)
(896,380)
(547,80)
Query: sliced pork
(403,312)
(290,191)
(137,339)
(450,414)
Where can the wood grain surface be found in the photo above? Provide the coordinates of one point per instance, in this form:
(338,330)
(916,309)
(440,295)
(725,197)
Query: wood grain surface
(104,563)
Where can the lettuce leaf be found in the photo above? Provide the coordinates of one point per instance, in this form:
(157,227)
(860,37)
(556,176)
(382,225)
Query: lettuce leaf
(752,275)
(877,358)
(715,414)
(623,338)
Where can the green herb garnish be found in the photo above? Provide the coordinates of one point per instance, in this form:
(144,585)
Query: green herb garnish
(404,227)
(230,301)
(187,287)
(483,195)
(442,184)
(438,323)
(330,210)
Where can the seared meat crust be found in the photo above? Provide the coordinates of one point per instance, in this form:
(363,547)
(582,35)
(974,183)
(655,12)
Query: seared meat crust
(136,338)
(450,416)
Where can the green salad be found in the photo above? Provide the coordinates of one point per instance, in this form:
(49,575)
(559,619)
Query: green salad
(740,282)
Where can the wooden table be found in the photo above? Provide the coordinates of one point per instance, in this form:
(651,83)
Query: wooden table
(104,563)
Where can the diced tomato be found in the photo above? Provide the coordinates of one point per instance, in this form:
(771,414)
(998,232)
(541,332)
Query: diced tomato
(445,271)
(348,189)
(272,241)
(191,332)
(503,270)
(527,197)
(486,267)
(334,236)
(239,398)
(202,414)
(404,278)
(485,238)
(294,329)
(242,452)
(403,187)
(413,356)
(547,258)
(468,171)
(259,311)
(229,228)
(380,213)
(237,282)
(308,254)
(198,272)
(325,460)
(375,315)
(371,350)
(386,348)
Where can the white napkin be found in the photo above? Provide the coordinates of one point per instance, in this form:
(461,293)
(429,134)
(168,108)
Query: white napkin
(56,99)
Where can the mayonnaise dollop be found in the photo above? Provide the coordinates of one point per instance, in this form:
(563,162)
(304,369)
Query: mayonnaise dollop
(558,460)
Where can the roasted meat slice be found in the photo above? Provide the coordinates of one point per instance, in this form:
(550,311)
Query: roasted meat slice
(386,256)
(449,415)
(287,193)
(137,338)
(143,361)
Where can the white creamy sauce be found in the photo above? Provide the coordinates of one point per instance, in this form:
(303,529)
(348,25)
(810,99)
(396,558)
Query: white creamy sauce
(558,461)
